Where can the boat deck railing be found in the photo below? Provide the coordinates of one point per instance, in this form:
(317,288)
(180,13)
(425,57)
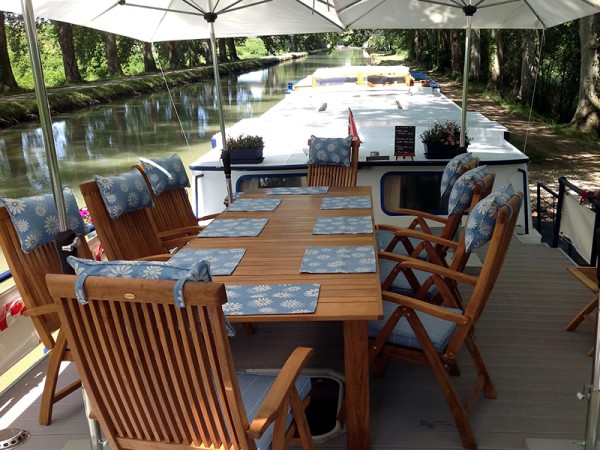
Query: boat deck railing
(550,207)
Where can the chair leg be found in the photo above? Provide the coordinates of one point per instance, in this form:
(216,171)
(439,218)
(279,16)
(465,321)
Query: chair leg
(50,395)
(583,315)
(489,390)
(248,328)
(452,399)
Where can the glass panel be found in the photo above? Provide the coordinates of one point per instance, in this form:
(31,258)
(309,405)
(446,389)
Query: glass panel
(264,181)
(412,190)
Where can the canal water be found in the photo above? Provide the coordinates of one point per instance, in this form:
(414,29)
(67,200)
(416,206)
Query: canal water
(109,139)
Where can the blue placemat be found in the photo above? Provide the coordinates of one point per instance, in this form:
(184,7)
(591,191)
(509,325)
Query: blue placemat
(254,204)
(223,261)
(357,202)
(343,225)
(234,228)
(298,190)
(351,259)
(271,299)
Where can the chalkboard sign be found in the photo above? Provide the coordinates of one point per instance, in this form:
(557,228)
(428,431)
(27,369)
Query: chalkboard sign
(404,141)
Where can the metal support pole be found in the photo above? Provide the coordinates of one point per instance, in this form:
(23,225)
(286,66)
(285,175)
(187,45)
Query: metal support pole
(96,440)
(466,68)
(44,112)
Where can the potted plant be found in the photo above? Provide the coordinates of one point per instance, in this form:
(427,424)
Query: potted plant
(443,140)
(245,148)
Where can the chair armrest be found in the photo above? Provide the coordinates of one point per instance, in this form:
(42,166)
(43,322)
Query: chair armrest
(428,308)
(422,214)
(416,234)
(161,257)
(41,310)
(278,395)
(177,243)
(208,217)
(439,270)
(178,232)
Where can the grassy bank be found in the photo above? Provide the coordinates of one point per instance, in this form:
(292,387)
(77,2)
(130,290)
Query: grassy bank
(23,107)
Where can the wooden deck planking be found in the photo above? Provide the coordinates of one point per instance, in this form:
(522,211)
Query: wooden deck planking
(537,368)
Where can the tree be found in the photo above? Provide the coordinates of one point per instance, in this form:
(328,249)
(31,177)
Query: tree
(149,62)
(497,60)
(587,113)
(232,50)
(456,59)
(64,32)
(529,65)
(475,66)
(112,57)
(7,78)
(222,50)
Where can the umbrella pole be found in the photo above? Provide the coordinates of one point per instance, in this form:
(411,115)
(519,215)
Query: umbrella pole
(210,17)
(466,68)
(66,241)
(44,112)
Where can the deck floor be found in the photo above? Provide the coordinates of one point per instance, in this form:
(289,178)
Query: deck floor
(537,367)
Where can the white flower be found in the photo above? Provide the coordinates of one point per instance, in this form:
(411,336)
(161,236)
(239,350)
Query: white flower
(105,183)
(261,301)
(124,186)
(132,199)
(121,271)
(15,206)
(110,198)
(41,210)
(22,225)
(291,304)
(152,272)
(32,240)
(51,224)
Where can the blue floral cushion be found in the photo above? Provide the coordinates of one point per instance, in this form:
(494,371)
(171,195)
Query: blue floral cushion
(159,180)
(451,172)
(124,193)
(482,220)
(36,219)
(152,270)
(330,151)
(462,191)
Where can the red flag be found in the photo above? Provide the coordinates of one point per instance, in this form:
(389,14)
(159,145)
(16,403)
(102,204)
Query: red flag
(352,126)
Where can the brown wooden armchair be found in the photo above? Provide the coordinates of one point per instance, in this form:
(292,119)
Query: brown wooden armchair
(173,211)
(131,236)
(392,238)
(159,376)
(424,333)
(28,271)
(334,175)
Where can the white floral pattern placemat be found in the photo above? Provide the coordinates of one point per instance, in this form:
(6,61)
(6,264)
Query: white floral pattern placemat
(356,202)
(254,204)
(271,299)
(343,225)
(298,190)
(349,259)
(234,228)
(222,261)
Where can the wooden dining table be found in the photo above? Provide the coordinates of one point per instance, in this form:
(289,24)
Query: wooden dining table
(275,257)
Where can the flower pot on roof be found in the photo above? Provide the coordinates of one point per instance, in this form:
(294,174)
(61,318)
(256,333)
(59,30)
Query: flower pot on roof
(442,140)
(245,149)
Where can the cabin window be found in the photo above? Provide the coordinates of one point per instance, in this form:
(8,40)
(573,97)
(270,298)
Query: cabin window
(265,181)
(412,190)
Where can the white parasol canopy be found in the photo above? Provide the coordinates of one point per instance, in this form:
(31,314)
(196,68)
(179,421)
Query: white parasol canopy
(490,14)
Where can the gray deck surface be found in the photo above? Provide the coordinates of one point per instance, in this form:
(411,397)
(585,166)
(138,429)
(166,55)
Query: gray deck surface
(537,367)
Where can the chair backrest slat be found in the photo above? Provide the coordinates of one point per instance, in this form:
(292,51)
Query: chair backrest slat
(335,176)
(131,236)
(165,374)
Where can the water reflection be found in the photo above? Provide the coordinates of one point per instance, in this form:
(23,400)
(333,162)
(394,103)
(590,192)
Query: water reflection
(109,139)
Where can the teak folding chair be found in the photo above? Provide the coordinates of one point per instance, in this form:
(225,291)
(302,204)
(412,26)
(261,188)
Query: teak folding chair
(401,240)
(28,271)
(173,211)
(398,278)
(333,175)
(587,276)
(133,235)
(420,332)
(160,376)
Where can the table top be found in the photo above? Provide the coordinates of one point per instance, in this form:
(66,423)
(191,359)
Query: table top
(275,257)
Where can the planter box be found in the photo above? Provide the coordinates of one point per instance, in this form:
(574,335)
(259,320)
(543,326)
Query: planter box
(246,156)
(439,151)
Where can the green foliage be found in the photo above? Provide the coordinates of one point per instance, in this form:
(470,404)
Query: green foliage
(251,47)
(245,142)
(447,133)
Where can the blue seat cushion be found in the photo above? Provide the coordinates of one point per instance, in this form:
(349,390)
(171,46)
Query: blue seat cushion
(36,221)
(482,220)
(440,331)
(124,193)
(157,168)
(384,237)
(401,284)
(254,388)
(150,270)
(330,151)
